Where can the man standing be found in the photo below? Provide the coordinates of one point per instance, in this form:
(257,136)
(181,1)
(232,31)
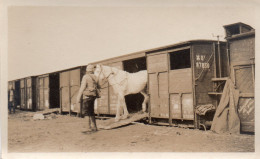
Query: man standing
(11,100)
(88,89)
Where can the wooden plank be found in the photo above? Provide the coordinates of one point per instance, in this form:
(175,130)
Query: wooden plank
(175,106)
(215,93)
(103,117)
(219,79)
(64,79)
(65,99)
(244,79)
(193,81)
(248,95)
(246,113)
(154,95)
(181,81)
(168,92)
(163,95)
(110,124)
(187,106)
(242,49)
(157,63)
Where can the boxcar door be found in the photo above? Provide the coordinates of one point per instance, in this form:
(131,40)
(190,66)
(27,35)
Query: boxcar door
(17,93)
(157,66)
(37,93)
(181,94)
(112,96)
(74,89)
(46,91)
(23,93)
(29,94)
(64,92)
(40,94)
(180,85)
(244,81)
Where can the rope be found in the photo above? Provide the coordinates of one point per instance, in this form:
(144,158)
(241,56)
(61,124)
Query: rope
(119,83)
(112,84)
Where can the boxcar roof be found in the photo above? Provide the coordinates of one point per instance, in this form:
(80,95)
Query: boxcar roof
(238,23)
(68,69)
(142,53)
(121,58)
(30,76)
(180,44)
(242,35)
(47,74)
(18,79)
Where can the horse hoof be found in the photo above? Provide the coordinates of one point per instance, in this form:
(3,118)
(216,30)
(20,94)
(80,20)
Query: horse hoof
(117,119)
(125,117)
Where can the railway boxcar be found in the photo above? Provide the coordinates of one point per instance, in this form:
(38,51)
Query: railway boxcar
(28,93)
(48,91)
(134,62)
(70,80)
(241,44)
(182,77)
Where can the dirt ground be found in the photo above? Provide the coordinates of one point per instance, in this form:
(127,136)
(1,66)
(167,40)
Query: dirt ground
(63,133)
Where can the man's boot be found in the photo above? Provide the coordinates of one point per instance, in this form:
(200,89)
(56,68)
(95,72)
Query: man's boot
(93,123)
(88,126)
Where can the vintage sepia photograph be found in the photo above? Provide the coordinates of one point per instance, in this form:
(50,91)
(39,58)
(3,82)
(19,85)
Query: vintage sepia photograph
(129,76)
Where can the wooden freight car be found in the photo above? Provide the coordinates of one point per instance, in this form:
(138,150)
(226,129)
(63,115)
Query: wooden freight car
(134,62)
(28,93)
(182,77)
(70,80)
(47,87)
(241,44)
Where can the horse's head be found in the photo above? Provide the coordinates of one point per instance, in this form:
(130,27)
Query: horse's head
(98,72)
(102,73)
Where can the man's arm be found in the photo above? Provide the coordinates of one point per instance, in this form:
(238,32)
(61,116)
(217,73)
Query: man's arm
(82,88)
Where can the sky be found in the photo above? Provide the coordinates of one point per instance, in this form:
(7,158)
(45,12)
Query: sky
(43,39)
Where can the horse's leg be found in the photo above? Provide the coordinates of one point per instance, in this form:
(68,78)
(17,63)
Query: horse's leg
(146,97)
(125,109)
(118,107)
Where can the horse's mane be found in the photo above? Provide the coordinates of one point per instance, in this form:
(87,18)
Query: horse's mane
(115,69)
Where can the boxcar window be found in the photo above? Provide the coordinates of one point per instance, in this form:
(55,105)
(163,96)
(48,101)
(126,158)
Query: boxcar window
(180,59)
(233,30)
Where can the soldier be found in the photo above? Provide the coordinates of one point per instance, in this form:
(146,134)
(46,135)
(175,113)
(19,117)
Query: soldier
(88,89)
(11,100)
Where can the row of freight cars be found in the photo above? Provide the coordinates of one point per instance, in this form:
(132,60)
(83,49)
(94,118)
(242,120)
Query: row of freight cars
(181,77)
(52,90)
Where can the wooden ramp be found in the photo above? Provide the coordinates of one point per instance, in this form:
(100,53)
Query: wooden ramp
(111,124)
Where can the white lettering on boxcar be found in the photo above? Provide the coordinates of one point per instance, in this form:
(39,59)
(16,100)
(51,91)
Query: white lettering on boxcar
(200,62)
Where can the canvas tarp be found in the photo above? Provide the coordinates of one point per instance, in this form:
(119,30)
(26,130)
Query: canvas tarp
(226,118)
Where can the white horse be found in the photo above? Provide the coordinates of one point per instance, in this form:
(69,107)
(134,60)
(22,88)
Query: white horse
(123,83)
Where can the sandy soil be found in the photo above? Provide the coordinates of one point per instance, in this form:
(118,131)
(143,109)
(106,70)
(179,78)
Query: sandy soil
(63,133)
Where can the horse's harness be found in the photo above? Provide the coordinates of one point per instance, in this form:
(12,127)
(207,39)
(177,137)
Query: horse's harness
(107,77)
